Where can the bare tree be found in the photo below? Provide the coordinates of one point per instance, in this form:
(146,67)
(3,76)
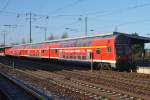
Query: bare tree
(64,35)
(51,37)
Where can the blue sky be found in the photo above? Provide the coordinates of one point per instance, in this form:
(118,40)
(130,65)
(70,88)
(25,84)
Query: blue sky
(103,16)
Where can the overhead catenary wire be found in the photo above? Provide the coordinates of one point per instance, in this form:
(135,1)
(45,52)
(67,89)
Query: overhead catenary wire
(57,10)
(98,13)
(68,24)
(5,6)
(116,26)
(106,12)
(66,6)
(133,22)
(121,10)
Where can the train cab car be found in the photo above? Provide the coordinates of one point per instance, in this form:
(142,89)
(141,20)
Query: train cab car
(129,50)
(123,52)
(112,50)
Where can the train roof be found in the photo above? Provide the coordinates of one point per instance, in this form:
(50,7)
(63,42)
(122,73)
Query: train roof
(92,36)
(110,34)
(134,38)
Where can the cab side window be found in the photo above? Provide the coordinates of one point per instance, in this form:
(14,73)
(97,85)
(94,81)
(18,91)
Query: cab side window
(108,49)
(98,51)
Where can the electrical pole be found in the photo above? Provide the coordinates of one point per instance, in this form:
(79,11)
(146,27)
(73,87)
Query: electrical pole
(4,33)
(45,29)
(32,16)
(4,38)
(30,26)
(86,26)
(9,26)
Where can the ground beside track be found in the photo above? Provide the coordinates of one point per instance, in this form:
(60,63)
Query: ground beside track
(2,96)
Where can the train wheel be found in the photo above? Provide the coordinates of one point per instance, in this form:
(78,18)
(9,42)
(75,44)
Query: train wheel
(104,66)
(108,67)
(99,66)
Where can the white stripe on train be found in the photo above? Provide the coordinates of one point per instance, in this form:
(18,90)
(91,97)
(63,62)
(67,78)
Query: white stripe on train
(108,61)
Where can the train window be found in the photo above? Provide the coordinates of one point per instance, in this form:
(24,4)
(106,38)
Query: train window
(98,50)
(122,49)
(44,51)
(79,57)
(83,57)
(56,50)
(47,51)
(70,56)
(75,56)
(108,49)
(63,56)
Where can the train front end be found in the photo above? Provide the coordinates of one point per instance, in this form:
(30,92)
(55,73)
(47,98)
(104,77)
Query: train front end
(124,59)
(129,51)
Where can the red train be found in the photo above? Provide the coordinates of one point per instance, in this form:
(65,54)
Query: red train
(111,50)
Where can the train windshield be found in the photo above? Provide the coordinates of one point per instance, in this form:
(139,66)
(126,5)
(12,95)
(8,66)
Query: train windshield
(122,49)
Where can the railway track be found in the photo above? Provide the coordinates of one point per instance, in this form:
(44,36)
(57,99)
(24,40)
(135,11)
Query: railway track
(88,84)
(138,83)
(15,90)
(114,83)
(85,88)
(61,93)
(142,78)
(93,91)
(135,79)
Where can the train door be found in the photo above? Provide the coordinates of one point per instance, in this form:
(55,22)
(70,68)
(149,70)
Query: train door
(60,54)
(90,58)
(89,54)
